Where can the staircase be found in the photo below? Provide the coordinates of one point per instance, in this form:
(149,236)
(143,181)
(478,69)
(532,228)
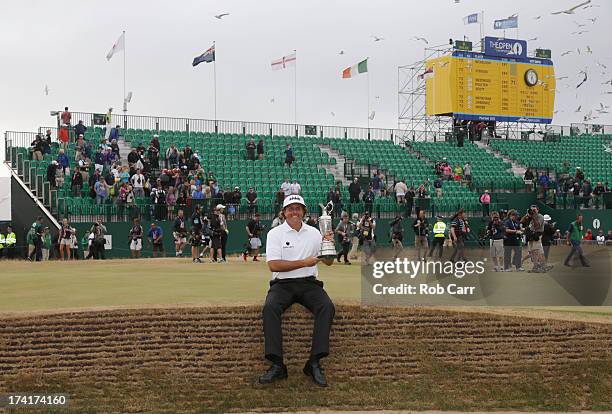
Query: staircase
(517,169)
(336,170)
(124,150)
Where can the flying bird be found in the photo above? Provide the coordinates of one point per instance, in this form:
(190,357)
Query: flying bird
(593,20)
(601,65)
(377,38)
(271,100)
(578,109)
(533,38)
(579,24)
(561,77)
(572,10)
(583,80)
(588,116)
(332,114)
(602,106)
(220,16)
(372,115)
(341,52)
(537,18)
(46,90)
(607,148)
(588,50)
(606,82)
(580,32)
(421,38)
(566,52)
(578,50)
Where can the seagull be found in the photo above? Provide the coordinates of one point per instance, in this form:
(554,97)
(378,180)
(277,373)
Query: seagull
(566,52)
(588,116)
(537,18)
(578,50)
(601,65)
(377,38)
(602,106)
(220,16)
(578,109)
(579,24)
(588,50)
(561,77)
(606,82)
(271,100)
(444,64)
(602,111)
(341,52)
(533,38)
(372,115)
(332,114)
(593,20)
(580,32)
(46,90)
(607,148)
(583,80)
(572,9)
(421,38)
(377,97)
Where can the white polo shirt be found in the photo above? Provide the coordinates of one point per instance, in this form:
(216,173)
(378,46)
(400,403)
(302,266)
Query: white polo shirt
(284,243)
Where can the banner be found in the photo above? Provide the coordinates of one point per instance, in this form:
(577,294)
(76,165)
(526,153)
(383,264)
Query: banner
(503,24)
(499,46)
(472,18)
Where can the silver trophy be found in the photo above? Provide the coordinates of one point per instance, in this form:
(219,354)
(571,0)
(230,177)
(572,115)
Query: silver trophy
(328,247)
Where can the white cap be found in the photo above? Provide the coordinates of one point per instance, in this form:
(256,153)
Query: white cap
(547,217)
(294,199)
(219,206)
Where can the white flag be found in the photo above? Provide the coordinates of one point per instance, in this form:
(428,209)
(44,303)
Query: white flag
(284,62)
(117,47)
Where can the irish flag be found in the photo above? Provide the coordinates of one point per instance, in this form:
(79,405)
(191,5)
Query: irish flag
(361,67)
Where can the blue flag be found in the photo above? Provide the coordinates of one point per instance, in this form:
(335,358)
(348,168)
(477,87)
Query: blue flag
(503,24)
(208,56)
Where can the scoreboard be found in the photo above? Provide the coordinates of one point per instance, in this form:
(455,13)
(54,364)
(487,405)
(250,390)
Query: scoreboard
(475,86)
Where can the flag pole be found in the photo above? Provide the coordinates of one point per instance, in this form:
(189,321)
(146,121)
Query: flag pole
(124,95)
(295,89)
(368,92)
(481,24)
(215,76)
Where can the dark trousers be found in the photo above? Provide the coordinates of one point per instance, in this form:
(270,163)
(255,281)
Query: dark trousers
(345,251)
(437,243)
(576,249)
(509,260)
(309,293)
(354,198)
(37,253)
(223,243)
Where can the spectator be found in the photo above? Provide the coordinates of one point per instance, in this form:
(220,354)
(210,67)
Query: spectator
(544,183)
(99,160)
(534,222)
(254,230)
(579,174)
(158,198)
(187,152)
(171,202)
(153,155)
(65,240)
(397,235)
(64,137)
(260,149)
(79,129)
(286,187)
(278,201)
(46,148)
(179,233)
(98,231)
(367,238)
(48,138)
(422,191)
(37,148)
(62,160)
(528,179)
(250,149)
(59,177)
(598,195)
(410,196)
(447,172)
(101,189)
(485,201)
(338,203)
(51,172)
(47,243)
(587,191)
(251,197)
(114,146)
(155,237)
(172,156)
(77,183)
(354,190)
(228,199)
(400,191)
(236,198)
(609,238)
(289,157)
(420,227)
(467,172)
(368,199)
(138,182)
(458,171)
(376,184)
(600,238)
(438,186)
(295,188)
(588,236)
(278,220)
(155,142)
(66,116)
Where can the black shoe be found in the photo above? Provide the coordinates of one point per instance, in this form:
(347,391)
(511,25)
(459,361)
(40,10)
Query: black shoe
(347,263)
(315,371)
(275,372)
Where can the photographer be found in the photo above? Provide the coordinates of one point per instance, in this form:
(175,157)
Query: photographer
(533,222)
(344,230)
(135,238)
(419,226)
(195,240)
(496,231)
(397,235)
(179,233)
(548,235)
(512,242)
(254,228)
(155,237)
(216,234)
(367,239)
(97,244)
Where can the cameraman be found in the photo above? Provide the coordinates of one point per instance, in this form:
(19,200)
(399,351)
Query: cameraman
(254,228)
(420,225)
(547,236)
(512,242)
(344,230)
(367,239)
(397,235)
(179,233)
(97,245)
(216,231)
(533,221)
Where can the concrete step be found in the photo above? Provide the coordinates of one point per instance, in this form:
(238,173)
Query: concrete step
(516,169)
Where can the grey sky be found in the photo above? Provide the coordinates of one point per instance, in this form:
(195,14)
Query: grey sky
(63,44)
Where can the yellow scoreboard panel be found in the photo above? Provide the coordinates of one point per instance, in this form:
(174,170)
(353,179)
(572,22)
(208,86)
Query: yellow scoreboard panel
(474,86)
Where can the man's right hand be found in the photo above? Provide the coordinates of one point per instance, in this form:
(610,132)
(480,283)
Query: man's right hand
(311,261)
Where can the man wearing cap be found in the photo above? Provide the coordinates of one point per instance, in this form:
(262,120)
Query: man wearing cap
(575,235)
(80,129)
(547,235)
(291,252)
(439,231)
(217,230)
(156,238)
(253,229)
(534,222)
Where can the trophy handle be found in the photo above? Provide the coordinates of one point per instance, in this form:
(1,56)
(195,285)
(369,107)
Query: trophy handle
(329,207)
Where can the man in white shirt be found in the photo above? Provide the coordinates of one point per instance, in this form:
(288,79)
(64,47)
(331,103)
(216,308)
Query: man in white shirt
(286,187)
(291,252)
(295,188)
(138,181)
